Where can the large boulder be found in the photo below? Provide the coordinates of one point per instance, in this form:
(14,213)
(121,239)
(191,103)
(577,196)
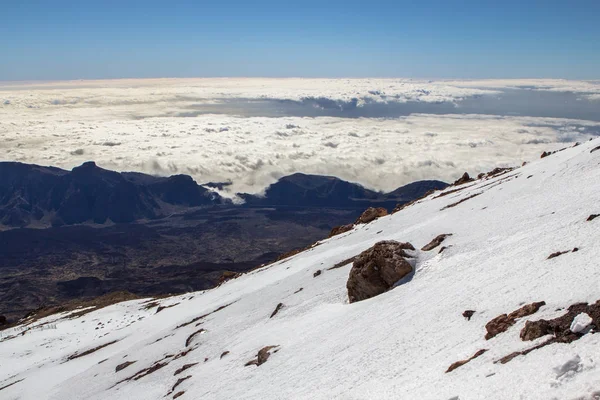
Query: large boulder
(371,214)
(378,269)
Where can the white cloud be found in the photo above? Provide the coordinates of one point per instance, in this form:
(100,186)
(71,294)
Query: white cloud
(131,126)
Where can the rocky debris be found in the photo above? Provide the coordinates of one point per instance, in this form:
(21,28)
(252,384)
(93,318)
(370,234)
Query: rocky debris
(343,263)
(460,201)
(90,351)
(178,394)
(463,179)
(509,357)
(371,214)
(338,230)
(595,149)
(463,362)
(502,322)
(126,364)
(223,354)
(377,269)
(263,355)
(436,242)
(299,290)
(160,308)
(189,339)
(279,307)
(179,382)
(196,319)
(560,327)
(317,273)
(468,314)
(184,353)
(228,275)
(592,217)
(145,372)
(560,253)
(545,154)
(185,367)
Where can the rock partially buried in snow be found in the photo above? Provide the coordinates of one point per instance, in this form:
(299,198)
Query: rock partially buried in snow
(436,241)
(580,323)
(377,269)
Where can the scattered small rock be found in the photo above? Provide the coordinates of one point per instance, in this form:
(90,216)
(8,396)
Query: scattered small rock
(185,367)
(224,354)
(126,364)
(593,217)
(595,149)
(178,394)
(556,254)
(263,355)
(436,242)
(299,290)
(463,362)
(279,307)
(317,273)
(468,314)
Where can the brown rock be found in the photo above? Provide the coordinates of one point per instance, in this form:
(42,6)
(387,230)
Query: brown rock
(468,314)
(317,273)
(262,356)
(340,229)
(126,364)
(279,307)
(377,269)
(593,217)
(463,362)
(223,354)
(502,322)
(371,214)
(463,179)
(436,242)
(545,154)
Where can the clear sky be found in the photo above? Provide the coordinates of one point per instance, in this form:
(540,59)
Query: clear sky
(84,39)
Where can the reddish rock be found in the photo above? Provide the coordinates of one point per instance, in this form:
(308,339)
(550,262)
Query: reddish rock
(468,314)
(502,322)
(262,356)
(371,214)
(340,229)
(463,362)
(436,242)
(377,269)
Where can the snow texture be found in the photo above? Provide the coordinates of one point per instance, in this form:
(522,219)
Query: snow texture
(396,345)
(580,323)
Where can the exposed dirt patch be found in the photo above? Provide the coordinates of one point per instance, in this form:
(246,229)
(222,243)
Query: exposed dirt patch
(90,351)
(502,322)
(463,362)
(460,201)
(435,242)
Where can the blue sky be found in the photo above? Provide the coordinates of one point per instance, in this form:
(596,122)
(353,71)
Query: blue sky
(429,39)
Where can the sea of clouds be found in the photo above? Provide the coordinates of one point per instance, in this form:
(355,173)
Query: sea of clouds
(137,125)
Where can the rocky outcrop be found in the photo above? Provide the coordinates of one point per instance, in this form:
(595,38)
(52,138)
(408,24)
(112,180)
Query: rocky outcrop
(436,242)
(463,179)
(338,230)
(371,214)
(502,322)
(561,327)
(378,269)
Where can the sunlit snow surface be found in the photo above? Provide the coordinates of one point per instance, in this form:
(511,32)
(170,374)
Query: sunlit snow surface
(396,345)
(382,133)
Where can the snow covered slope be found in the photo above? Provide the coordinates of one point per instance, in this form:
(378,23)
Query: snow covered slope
(397,345)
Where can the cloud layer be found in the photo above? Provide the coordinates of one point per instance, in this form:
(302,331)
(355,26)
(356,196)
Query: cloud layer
(128,127)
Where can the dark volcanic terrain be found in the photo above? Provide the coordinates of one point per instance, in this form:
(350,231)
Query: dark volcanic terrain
(78,234)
